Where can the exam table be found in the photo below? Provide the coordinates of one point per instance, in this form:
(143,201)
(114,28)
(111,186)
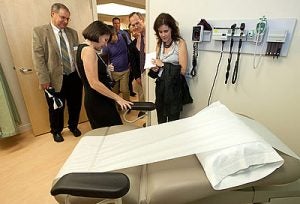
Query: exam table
(181,180)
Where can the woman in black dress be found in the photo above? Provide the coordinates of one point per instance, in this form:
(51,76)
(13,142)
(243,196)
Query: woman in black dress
(99,100)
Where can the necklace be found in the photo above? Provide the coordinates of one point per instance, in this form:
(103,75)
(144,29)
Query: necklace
(169,45)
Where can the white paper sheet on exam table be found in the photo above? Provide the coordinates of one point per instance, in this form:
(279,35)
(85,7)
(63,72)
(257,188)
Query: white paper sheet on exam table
(124,150)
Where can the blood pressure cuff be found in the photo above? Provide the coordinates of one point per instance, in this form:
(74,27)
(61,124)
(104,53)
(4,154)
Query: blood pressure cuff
(206,26)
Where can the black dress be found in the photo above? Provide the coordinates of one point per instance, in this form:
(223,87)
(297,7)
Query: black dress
(101,110)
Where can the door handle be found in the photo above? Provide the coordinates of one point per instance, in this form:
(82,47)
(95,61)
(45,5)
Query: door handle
(25,71)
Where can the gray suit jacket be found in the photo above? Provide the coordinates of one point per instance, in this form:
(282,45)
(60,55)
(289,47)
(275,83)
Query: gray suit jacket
(46,54)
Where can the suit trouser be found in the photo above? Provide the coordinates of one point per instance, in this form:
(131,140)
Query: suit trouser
(131,78)
(141,89)
(121,85)
(71,92)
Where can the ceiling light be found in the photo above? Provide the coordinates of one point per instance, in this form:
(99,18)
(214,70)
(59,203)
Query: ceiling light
(117,9)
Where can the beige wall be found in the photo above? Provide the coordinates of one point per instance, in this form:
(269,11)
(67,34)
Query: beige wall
(270,93)
(107,19)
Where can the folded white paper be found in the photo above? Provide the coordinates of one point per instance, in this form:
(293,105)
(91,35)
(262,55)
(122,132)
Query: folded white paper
(148,61)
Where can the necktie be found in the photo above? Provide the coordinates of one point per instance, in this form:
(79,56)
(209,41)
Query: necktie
(142,54)
(64,54)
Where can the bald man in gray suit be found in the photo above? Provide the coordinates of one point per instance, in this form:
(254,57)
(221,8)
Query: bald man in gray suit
(54,47)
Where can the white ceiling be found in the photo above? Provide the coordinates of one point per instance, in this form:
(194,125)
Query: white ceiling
(117,9)
(134,3)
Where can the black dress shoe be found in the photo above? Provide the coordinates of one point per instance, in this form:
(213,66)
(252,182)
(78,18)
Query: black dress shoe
(58,137)
(76,132)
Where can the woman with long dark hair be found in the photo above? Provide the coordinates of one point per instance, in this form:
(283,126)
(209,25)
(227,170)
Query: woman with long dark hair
(170,64)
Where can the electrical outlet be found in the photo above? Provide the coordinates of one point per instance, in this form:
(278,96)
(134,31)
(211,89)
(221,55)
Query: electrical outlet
(250,35)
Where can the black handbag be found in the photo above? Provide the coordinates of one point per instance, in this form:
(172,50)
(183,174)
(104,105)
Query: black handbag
(153,74)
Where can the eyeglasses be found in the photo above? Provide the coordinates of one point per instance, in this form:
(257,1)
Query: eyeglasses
(64,18)
(135,24)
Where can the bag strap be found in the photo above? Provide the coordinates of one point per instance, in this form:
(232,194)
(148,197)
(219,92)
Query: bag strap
(125,38)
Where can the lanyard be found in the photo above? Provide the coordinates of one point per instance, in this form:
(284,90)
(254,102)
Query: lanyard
(107,69)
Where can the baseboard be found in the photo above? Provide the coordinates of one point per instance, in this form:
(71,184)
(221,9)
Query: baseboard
(24,128)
